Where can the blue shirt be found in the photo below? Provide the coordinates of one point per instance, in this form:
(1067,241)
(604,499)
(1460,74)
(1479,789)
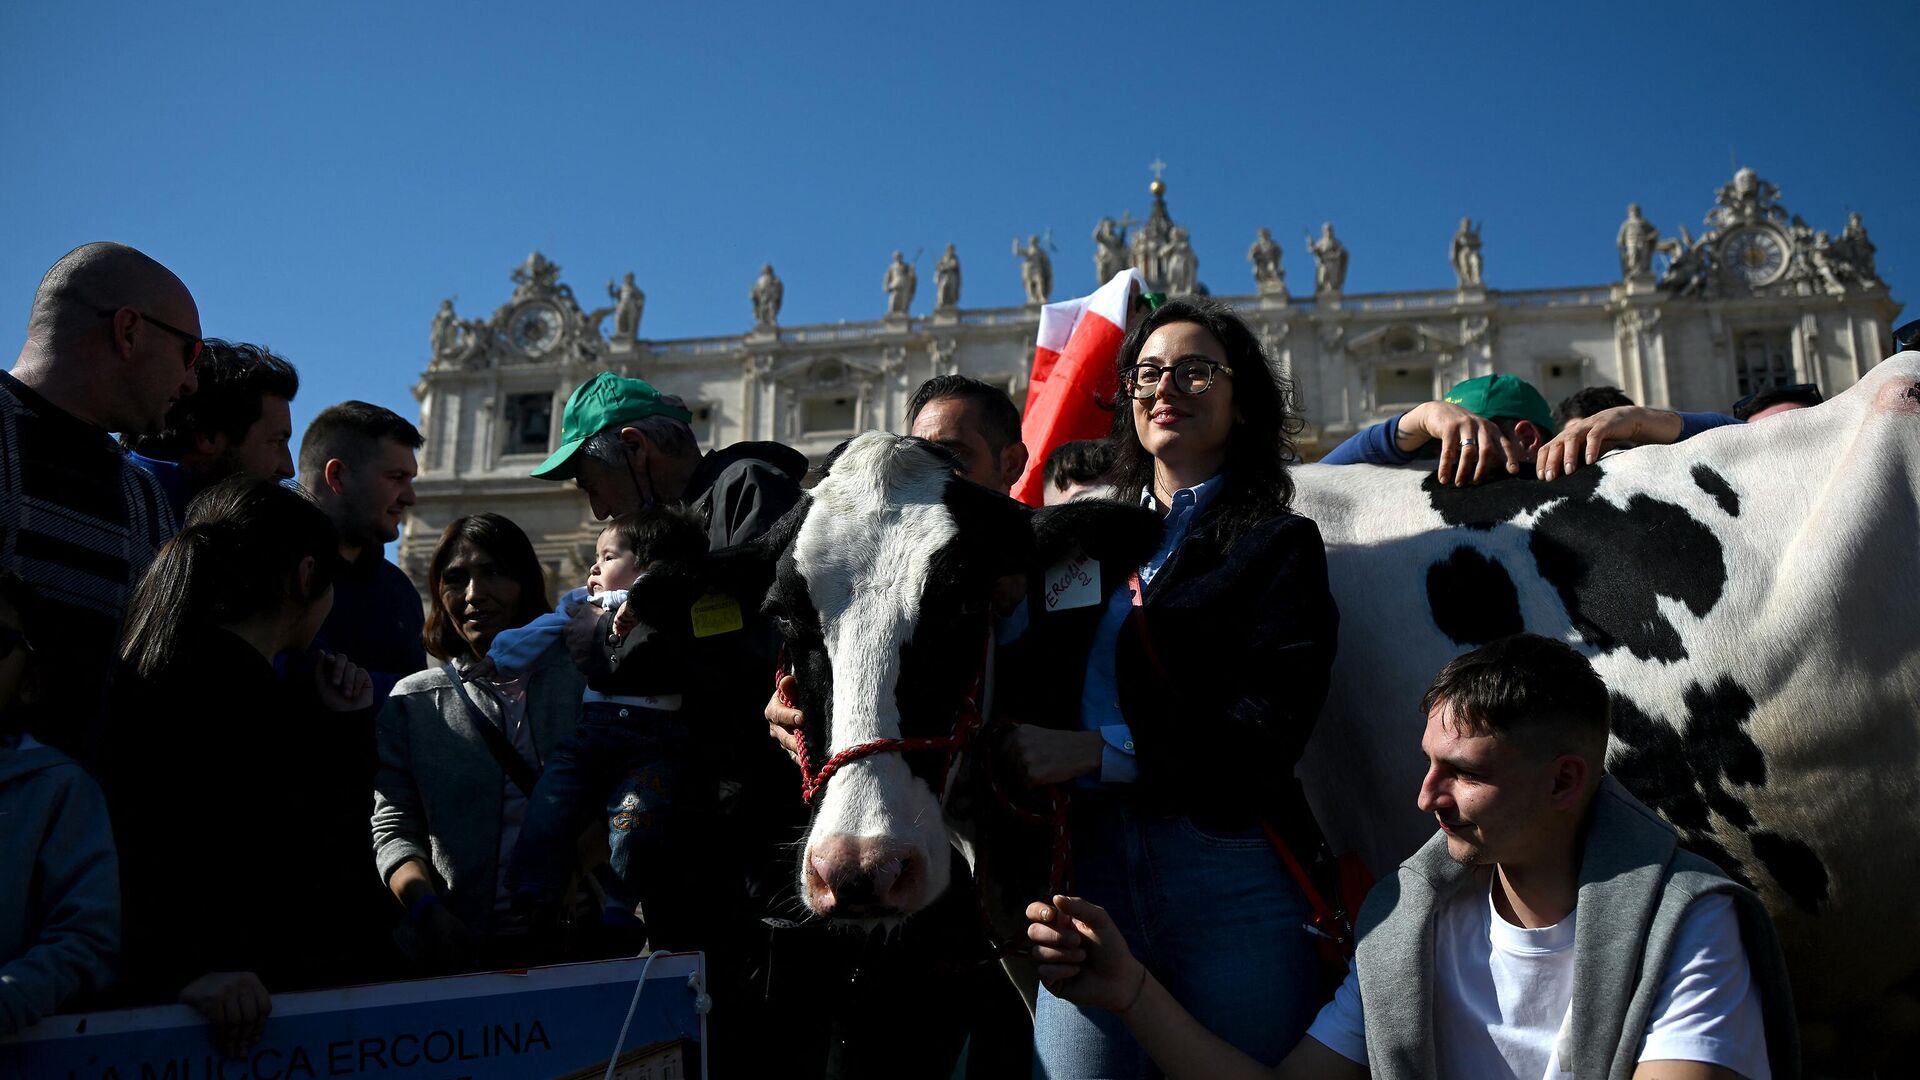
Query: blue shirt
(173,481)
(1100,695)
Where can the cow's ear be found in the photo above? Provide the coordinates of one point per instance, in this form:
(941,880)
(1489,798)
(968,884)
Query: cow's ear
(1004,525)
(1123,534)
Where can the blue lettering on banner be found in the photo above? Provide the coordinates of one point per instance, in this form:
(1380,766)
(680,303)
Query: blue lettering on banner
(544,1022)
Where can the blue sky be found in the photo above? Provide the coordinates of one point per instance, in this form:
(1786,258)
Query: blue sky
(321,175)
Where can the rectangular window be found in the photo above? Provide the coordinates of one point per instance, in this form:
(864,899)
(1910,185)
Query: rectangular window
(1764,359)
(1402,387)
(529,423)
(827,415)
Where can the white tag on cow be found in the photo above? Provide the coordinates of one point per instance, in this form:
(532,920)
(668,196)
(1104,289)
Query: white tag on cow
(1074,583)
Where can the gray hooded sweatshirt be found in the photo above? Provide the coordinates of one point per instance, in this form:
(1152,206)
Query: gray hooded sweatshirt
(1635,885)
(59,885)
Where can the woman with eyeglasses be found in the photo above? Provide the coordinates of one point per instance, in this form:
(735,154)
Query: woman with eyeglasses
(1204,677)
(238,795)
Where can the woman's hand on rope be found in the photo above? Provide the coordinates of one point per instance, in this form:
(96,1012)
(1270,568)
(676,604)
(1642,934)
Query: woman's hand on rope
(1081,955)
(1038,756)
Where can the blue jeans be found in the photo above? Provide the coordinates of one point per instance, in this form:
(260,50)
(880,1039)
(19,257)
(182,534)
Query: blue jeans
(1215,917)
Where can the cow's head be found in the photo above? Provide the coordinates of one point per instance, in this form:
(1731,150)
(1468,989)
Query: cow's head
(881,583)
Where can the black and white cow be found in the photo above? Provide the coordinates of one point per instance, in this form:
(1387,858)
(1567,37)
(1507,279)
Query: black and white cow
(1750,598)
(880,582)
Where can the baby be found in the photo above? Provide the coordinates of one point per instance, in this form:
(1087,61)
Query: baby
(630,756)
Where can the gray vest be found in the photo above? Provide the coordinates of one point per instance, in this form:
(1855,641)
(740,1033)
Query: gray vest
(1635,884)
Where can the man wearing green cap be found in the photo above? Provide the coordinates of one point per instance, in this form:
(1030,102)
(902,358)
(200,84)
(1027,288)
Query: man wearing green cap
(1483,428)
(627,445)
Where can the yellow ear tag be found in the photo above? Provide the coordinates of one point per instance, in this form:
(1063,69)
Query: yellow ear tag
(715,613)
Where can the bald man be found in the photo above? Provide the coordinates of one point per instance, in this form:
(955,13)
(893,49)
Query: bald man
(111,344)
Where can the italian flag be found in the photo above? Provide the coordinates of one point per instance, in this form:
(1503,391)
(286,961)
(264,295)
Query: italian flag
(1070,394)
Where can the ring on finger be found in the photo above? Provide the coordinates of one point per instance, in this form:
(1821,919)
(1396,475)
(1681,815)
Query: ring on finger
(1466,440)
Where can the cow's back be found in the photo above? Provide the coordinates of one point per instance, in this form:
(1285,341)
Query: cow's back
(1749,597)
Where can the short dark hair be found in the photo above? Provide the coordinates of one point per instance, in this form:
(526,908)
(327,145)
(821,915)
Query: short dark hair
(350,431)
(499,537)
(1759,400)
(1082,461)
(1526,687)
(661,531)
(1588,400)
(999,417)
(235,378)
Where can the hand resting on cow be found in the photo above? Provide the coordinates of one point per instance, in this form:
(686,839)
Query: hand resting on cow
(1484,429)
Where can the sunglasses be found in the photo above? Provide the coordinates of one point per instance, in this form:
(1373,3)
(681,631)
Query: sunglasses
(12,638)
(195,344)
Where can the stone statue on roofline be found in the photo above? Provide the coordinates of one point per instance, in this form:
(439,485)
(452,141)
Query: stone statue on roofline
(1330,260)
(767,294)
(1465,255)
(900,283)
(1637,241)
(1268,277)
(946,281)
(1036,270)
(628,305)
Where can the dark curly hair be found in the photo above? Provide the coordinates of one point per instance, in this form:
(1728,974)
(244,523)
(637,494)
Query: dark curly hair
(1260,447)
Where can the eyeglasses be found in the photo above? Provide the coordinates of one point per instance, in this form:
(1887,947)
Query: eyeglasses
(195,344)
(1194,375)
(12,638)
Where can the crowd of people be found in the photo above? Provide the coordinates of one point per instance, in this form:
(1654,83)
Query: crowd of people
(230,768)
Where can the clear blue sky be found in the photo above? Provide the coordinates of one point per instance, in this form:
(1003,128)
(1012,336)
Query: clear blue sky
(322,174)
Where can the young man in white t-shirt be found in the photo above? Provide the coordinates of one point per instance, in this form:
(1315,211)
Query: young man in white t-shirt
(1473,960)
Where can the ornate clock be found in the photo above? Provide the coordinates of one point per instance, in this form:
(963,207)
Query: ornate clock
(1754,255)
(536,328)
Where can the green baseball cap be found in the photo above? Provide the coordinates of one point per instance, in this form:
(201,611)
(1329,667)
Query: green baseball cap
(600,403)
(1502,397)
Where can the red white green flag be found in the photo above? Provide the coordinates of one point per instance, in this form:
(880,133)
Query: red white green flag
(1070,394)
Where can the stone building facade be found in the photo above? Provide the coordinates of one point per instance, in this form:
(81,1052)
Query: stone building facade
(1759,298)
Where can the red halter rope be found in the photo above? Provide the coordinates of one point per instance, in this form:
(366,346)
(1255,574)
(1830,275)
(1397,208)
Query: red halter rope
(968,726)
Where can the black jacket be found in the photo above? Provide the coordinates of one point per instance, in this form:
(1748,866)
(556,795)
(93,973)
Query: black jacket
(240,808)
(1223,700)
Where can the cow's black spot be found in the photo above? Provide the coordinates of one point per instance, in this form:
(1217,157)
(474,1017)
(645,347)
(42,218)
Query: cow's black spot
(1716,485)
(1473,598)
(1717,739)
(1482,506)
(1610,565)
(1705,846)
(1653,765)
(1793,864)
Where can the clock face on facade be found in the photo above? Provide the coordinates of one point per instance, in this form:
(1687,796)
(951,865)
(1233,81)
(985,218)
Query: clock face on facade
(1757,256)
(534,329)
